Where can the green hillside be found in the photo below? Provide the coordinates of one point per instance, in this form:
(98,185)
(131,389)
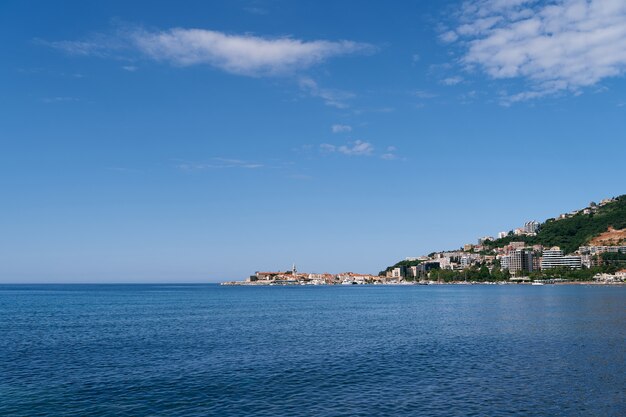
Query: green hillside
(569,234)
(401,263)
(575,231)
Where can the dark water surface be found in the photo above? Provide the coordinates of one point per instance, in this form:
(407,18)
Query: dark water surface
(205,350)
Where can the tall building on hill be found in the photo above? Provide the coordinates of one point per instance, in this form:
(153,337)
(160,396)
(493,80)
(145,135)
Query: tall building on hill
(531,226)
(519,260)
(554,258)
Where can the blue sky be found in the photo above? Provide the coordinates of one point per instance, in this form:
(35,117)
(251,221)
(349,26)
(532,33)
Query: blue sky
(154,141)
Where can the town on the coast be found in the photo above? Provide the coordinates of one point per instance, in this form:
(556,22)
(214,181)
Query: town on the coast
(583,246)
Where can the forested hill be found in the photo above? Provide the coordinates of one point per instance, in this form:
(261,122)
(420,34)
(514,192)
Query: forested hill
(575,231)
(568,233)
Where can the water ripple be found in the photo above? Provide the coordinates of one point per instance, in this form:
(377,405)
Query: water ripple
(412,351)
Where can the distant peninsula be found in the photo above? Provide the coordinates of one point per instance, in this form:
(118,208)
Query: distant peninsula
(586,245)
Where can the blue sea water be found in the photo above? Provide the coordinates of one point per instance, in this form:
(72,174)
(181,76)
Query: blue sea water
(206,350)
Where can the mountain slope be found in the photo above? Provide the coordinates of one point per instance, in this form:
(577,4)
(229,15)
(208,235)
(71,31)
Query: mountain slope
(575,231)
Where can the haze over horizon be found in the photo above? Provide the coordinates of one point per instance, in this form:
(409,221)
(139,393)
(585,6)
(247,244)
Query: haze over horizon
(203,143)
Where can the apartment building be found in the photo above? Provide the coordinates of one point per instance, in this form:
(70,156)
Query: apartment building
(554,258)
(519,260)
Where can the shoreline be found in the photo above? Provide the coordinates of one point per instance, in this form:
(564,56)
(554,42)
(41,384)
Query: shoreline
(401,284)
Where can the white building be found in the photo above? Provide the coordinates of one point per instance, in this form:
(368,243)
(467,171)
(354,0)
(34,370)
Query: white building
(554,258)
(596,250)
(617,277)
(531,227)
(466,262)
(445,262)
(398,272)
(504,262)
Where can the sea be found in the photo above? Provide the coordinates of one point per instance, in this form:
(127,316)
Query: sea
(210,350)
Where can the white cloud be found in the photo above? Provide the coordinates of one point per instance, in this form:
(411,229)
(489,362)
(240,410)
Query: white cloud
(245,54)
(424,94)
(452,80)
(390,155)
(341,128)
(334,98)
(326,147)
(564,45)
(507,100)
(238,54)
(217,163)
(356,148)
(449,36)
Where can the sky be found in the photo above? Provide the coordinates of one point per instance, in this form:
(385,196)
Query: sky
(203,141)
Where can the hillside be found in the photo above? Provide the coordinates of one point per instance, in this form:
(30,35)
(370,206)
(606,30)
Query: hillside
(602,225)
(575,231)
(610,237)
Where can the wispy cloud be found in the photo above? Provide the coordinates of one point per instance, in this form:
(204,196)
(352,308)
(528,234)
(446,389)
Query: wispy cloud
(256,10)
(390,154)
(452,80)
(562,45)
(374,110)
(449,36)
(242,54)
(356,148)
(60,99)
(78,47)
(333,98)
(327,147)
(217,163)
(507,99)
(103,45)
(341,128)
(257,7)
(423,94)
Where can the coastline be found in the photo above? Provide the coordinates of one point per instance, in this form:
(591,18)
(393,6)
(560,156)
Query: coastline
(400,284)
